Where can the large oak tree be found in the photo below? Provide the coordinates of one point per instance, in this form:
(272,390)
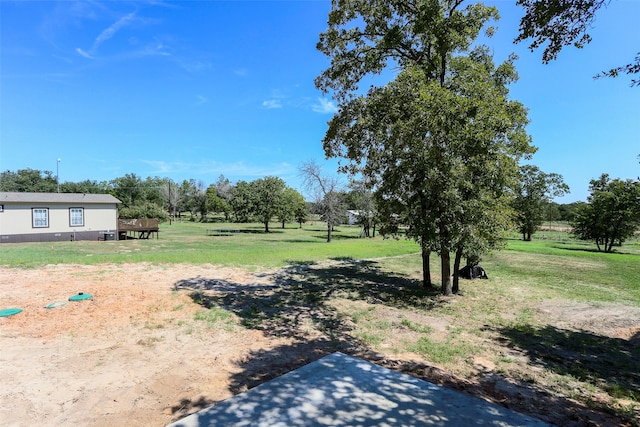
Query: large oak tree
(441,141)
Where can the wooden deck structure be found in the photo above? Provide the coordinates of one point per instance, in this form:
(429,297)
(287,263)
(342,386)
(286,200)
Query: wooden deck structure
(142,228)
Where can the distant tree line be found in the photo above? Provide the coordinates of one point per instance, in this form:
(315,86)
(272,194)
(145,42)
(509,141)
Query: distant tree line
(610,215)
(263,200)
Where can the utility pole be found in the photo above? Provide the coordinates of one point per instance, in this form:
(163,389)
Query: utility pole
(58,174)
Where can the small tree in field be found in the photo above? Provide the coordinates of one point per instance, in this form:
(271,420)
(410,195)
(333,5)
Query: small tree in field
(224,190)
(292,203)
(301,213)
(362,199)
(326,193)
(242,201)
(269,193)
(532,195)
(170,193)
(215,203)
(612,213)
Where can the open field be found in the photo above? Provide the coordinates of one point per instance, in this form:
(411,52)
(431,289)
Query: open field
(188,242)
(182,322)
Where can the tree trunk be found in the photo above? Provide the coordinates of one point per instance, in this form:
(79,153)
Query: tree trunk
(266,226)
(329,229)
(426,268)
(283,224)
(445,265)
(456,269)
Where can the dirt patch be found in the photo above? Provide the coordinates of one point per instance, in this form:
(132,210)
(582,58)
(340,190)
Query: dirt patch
(132,355)
(612,320)
(145,350)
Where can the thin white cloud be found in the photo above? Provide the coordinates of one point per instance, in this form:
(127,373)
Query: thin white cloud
(324,106)
(107,34)
(83,53)
(114,28)
(201,100)
(271,104)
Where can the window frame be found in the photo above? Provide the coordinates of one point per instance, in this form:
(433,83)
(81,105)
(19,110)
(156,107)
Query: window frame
(81,210)
(34,217)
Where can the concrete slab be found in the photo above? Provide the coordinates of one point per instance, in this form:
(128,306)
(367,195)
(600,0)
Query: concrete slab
(340,390)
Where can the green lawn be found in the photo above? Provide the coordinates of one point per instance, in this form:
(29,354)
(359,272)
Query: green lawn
(553,265)
(571,270)
(188,242)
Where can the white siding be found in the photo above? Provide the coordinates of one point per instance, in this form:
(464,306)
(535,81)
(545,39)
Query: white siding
(17,218)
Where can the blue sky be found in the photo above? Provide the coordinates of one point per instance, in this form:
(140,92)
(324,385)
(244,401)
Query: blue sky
(196,89)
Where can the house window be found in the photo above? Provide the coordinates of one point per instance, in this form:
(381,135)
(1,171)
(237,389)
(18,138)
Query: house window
(40,217)
(76,217)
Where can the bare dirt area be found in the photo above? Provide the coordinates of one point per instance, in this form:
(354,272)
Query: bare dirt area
(132,355)
(145,351)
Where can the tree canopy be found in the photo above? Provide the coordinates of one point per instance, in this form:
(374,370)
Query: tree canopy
(292,207)
(441,141)
(611,214)
(560,23)
(365,35)
(25,180)
(267,199)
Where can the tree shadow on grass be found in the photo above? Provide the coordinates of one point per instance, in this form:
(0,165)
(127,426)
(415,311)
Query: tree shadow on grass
(260,231)
(301,262)
(618,251)
(292,303)
(334,237)
(296,297)
(611,364)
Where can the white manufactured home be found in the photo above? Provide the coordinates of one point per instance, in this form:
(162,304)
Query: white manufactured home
(49,217)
